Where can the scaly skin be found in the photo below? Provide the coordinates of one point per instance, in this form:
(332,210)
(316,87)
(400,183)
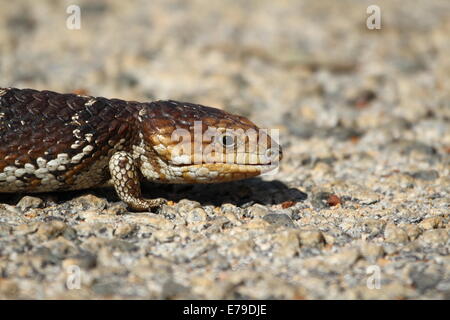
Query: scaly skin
(54,142)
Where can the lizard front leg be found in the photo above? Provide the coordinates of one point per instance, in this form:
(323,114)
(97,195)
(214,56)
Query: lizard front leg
(125,178)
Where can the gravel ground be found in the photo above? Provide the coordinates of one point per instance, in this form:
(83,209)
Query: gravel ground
(359,208)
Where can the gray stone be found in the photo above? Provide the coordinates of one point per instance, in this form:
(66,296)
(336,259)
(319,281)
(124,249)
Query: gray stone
(28,202)
(279,219)
(435,237)
(196,215)
(392,233)
(426,175)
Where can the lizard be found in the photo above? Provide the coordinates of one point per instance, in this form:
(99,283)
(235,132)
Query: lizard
(51,141)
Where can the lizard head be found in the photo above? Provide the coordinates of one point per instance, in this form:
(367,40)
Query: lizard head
(189,143)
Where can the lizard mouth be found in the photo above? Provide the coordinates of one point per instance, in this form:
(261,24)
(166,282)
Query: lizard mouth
(268,158)
(220,172)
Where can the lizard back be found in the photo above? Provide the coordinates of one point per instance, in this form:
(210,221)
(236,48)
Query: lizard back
(52,141)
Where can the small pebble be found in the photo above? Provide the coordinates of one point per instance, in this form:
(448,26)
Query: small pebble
(28,202)
(279,219)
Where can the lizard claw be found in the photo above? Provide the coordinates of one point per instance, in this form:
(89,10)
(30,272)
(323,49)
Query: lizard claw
(153,203)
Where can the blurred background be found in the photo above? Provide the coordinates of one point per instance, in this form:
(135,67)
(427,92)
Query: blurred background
(364,119)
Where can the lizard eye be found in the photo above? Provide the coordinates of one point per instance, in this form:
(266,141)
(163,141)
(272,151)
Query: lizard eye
(227,140)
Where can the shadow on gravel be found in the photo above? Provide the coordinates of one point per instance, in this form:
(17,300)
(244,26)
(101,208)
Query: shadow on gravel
(239,193)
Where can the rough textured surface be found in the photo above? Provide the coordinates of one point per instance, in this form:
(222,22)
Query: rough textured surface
(365,127)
